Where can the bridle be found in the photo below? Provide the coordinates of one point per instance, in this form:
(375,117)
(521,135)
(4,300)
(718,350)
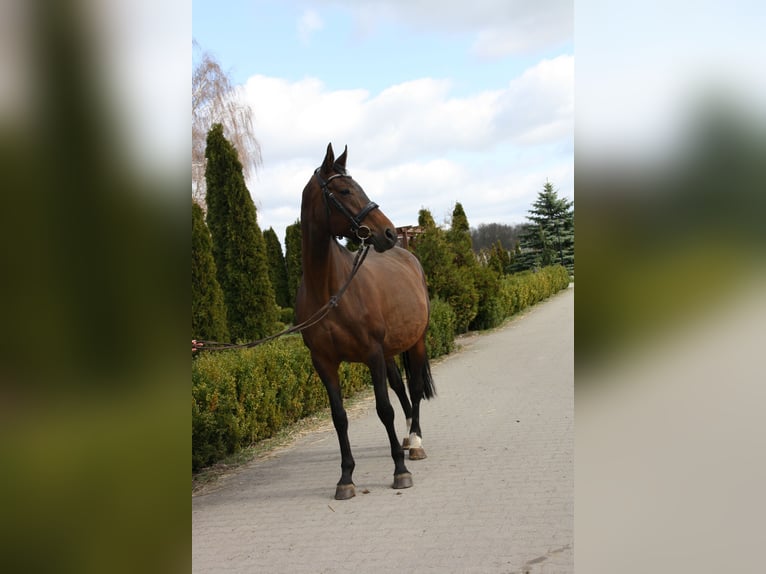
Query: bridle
(362,231)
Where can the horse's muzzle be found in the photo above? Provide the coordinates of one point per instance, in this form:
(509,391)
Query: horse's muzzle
(384,241)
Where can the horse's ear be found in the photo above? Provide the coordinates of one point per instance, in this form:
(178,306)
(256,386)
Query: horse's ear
(329,159)
(341,161)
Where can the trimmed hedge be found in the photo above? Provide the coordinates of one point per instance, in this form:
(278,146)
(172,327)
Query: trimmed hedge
(242,396)
(522,290)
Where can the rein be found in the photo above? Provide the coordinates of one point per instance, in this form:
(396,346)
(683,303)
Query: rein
(320,314)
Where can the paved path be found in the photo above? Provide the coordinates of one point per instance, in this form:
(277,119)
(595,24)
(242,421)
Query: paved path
(494,495)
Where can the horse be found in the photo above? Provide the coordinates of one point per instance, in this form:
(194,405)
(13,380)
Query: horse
(383,313)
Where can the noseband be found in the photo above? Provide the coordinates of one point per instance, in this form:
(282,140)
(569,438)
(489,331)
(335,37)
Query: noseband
(362,231)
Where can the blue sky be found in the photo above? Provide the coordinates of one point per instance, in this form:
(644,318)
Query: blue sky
(438,102)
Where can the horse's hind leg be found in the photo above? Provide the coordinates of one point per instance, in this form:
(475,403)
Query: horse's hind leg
(378,369)
(421,386)
(329,375)
(397,384)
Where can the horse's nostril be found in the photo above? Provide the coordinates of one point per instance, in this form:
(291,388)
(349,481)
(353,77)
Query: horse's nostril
(390,235)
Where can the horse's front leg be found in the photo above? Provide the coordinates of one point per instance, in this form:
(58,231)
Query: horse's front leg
(328,372)
(377,364)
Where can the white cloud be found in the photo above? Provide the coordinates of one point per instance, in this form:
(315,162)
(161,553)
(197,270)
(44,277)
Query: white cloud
(523,27)
(539,105)
(500,27)
(309,23)
(415,145)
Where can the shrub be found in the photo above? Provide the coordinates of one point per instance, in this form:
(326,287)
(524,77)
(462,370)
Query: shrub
(286,315)
(440,339)
(245,395)
(461,293)
(521,290)
(491,310)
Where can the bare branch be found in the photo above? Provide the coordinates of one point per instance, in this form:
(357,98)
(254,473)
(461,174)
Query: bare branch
(216,100)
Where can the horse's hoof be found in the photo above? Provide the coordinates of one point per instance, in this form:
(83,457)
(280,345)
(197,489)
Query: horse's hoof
(345,491)
(406,443)
(403,480)
(417,453)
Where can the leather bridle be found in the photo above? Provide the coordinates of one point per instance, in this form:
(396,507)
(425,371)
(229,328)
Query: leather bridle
(362,231)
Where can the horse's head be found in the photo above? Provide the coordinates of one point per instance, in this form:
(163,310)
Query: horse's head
(350,213)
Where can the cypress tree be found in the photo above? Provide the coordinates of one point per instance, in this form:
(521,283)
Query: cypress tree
(238,245)
(434,254)
(208,309)
(464,291)
(498,258)
(452,283)
(459,238)
(277,269)
(293,263)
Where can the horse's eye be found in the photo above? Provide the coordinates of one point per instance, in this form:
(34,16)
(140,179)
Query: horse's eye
(345,191)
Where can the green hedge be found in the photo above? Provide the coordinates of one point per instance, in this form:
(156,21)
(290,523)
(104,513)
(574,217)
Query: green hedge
(522,290)
(242,396)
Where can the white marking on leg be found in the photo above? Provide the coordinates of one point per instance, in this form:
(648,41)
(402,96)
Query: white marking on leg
(415,441)
(409,426)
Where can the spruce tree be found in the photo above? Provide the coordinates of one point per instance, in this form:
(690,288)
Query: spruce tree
(549,237)
(277,269)
(238,245)
(293,263)
(208,309)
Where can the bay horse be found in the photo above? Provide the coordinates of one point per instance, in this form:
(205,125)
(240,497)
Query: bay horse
(383,312)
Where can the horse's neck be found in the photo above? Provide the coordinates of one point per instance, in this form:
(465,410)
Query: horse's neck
(322,261)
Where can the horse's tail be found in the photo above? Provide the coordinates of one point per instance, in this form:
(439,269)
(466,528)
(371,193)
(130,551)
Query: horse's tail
(428,389)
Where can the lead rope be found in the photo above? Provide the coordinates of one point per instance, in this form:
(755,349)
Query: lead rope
(321,313)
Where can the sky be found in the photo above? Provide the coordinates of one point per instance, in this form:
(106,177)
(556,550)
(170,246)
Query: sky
(438,101)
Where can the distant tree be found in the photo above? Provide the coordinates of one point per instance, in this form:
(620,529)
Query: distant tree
(277,268)
(487,234)
(549,237)
(214,100)
(238,245)
(208,308)
(293,260)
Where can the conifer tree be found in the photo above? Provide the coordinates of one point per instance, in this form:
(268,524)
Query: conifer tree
(208,309)
(238,245)
(432,250)
(452,283)
(293,263)
(498,258)
(464,291)
(459,238)
(549,237)
(277,268)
